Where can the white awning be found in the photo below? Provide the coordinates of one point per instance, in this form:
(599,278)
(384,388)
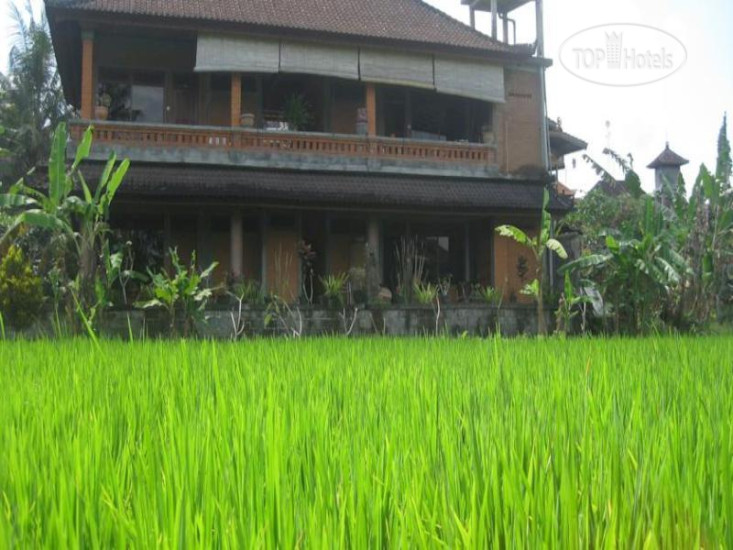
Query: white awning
(300,57)
(473,79)
(217,53)
(391,67)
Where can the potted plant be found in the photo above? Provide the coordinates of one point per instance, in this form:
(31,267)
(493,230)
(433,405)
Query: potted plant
(101,111)
(297,112)
(488,136)
(248,120)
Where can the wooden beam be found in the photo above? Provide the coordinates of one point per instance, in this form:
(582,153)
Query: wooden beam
(371,106)
(236,100)
(87,75)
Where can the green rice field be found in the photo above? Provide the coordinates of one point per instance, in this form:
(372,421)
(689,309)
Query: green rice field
(375,443)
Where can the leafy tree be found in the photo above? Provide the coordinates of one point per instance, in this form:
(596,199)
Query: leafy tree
(539,246)
(74,214)
(639,278)
(725,164)
(31,98)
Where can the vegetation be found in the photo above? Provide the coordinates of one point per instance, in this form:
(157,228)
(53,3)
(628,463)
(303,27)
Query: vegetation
(661,261)
(75,217)
(31,99)
(368,443)
(334,288)
(21,293)
(183,294)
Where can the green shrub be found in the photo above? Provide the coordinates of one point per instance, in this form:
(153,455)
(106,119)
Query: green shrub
(21,292)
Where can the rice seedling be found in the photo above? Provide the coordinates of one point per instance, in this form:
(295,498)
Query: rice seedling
(367,443)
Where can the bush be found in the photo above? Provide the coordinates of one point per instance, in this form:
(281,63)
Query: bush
(21,293)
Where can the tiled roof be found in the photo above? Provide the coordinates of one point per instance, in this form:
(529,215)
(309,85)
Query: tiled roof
(394,20)
(360,190)
(668,158)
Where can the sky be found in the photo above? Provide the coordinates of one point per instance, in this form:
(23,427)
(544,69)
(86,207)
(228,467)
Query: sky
(685,109)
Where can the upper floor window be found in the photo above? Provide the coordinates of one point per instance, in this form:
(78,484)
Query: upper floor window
(136,96)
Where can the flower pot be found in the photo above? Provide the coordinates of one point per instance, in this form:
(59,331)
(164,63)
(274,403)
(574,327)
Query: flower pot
(489,138)
(248,120)
(101,112)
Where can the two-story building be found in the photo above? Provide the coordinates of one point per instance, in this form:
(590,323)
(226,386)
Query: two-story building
(253,125)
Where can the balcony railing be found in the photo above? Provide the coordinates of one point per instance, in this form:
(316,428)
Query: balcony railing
(294,143)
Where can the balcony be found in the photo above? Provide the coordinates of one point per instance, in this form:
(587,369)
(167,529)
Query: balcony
(287,150)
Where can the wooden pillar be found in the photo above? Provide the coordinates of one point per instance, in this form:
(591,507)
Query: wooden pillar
(371,106)
(237,246)
(87,75)
(374,240)
(236,100)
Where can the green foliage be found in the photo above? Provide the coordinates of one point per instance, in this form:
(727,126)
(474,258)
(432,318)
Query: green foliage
(248,292)
(21,292)
(489,295)
(638,277)
(183,293)
(725,163)
(334,288)
(425,293)
(568,305)
(297,112)
(368,443)
(31,100)
(73,214)
(598,213)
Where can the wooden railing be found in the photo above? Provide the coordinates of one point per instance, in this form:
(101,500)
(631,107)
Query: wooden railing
(237,139)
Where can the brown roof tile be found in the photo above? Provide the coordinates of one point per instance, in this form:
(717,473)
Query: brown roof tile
(394,20)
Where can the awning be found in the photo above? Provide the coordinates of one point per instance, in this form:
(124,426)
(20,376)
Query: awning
(472,79)
(390,67)
(299,57)
(237,54)
(449,75)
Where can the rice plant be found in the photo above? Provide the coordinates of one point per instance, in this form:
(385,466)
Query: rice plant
(367,443)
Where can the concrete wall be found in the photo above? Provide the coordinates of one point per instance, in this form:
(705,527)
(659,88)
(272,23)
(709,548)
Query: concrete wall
(396,322)
(474,320)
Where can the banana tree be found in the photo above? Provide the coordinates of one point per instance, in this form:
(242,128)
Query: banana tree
(639,278)
(539,246)
(69,208)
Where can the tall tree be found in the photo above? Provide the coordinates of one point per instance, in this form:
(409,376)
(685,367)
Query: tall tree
(31,100)
(725,164)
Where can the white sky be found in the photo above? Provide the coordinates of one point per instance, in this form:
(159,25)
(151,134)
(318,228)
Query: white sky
(685,109)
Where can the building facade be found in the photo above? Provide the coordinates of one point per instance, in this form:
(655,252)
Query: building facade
(256,129)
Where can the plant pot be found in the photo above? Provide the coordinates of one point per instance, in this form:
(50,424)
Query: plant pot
(489,138)
(101,112)
(248,120)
